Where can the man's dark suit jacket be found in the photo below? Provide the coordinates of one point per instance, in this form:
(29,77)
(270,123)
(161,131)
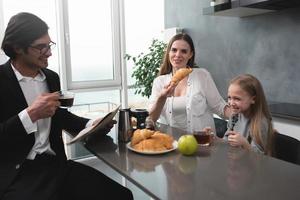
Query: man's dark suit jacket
(15,143)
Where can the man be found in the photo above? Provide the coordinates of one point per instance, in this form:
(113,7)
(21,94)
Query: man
(33,161)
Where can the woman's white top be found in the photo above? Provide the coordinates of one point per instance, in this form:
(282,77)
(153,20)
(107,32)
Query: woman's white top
(202,100)
(179,112)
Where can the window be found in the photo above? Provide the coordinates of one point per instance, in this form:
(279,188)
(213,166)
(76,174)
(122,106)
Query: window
(92,56)
(139,33)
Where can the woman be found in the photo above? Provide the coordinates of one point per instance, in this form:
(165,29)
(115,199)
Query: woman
(190,104)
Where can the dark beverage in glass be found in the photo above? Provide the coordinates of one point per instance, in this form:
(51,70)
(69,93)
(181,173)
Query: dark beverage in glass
(66,102)
(202,137)
(66,99)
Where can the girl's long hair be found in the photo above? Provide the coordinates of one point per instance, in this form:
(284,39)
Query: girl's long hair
(258,111)
(166,66)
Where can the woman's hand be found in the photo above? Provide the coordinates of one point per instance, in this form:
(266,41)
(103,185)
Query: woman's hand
(168,90)
(237,140)
(207,129)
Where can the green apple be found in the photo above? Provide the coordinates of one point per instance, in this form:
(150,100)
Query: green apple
(187,144)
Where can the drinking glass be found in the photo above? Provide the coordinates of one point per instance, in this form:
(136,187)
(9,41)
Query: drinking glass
(66,99)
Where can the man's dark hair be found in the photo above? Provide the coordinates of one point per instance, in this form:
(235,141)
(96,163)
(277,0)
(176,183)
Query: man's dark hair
(22,29)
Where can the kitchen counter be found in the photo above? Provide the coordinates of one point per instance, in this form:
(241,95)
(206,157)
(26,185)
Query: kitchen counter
(218,171)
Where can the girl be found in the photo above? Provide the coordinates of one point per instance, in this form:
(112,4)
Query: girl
(250,125)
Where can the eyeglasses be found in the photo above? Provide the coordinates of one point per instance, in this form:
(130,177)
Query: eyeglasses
(44,48)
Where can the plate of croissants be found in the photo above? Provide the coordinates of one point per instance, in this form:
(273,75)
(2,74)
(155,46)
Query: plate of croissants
(147,141)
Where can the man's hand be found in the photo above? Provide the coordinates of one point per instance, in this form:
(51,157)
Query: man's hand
(44,106)
(108,127)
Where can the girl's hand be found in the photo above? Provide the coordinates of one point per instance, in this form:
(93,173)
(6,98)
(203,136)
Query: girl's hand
(237,140)
(207,129)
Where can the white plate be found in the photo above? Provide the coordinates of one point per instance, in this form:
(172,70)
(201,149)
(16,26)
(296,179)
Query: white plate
(153,152)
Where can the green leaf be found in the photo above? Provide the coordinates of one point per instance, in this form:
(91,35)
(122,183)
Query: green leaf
(146,67)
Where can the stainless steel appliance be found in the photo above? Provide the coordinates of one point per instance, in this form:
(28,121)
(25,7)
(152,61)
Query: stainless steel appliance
(125,125)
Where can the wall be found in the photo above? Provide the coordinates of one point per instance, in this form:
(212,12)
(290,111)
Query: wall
(267,46)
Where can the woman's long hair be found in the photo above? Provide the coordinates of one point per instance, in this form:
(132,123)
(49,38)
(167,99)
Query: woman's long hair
(166,66)
(258,111)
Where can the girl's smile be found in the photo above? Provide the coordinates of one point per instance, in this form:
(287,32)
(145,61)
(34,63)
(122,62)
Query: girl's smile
(239,100)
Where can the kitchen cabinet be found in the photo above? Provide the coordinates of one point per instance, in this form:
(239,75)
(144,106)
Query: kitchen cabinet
(244,8)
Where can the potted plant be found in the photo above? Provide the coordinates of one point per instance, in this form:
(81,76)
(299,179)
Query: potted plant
(146,67)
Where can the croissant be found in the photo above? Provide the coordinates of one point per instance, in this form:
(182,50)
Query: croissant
(180,74)
(141,134)
(150,144)
(164,139)
(156,142)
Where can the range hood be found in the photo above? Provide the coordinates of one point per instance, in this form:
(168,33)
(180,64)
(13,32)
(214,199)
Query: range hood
(243,8)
